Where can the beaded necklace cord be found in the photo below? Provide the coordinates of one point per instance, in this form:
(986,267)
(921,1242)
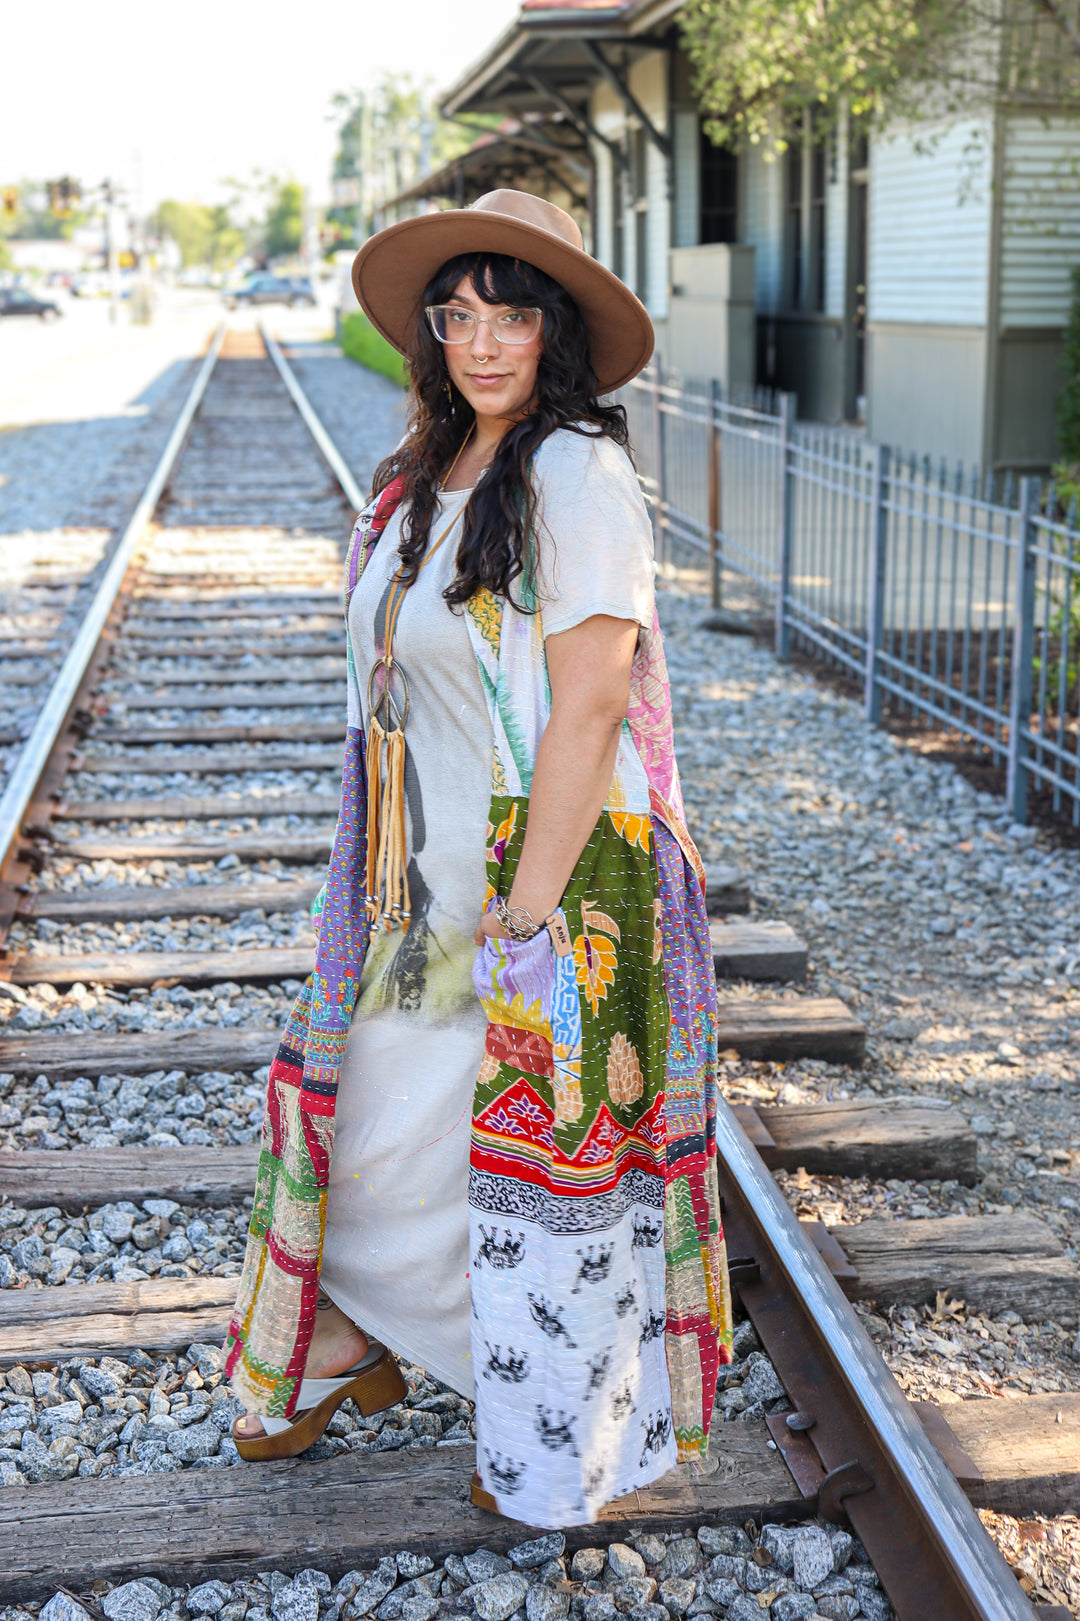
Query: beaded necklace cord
(386,887)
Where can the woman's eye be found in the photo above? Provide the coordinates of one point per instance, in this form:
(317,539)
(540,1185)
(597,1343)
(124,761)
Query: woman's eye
(459,318)
(513,318)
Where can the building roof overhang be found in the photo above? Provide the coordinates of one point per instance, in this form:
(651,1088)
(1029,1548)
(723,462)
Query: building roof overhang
(500,158)
(548,41)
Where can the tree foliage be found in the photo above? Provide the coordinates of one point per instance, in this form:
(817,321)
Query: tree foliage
(761,65)
(204,235)
(389,137)
(284,228)
(34,220)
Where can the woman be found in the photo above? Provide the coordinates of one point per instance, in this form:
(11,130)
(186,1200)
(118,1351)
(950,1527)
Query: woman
(513,1007)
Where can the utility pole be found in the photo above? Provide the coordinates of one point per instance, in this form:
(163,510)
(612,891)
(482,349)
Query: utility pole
(111,263)
(367,172)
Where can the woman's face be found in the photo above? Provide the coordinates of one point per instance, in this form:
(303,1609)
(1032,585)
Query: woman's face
(497,379)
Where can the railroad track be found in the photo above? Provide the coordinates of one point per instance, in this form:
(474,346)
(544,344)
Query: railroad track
(162,834)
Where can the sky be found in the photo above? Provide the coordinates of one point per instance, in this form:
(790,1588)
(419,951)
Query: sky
(168,98)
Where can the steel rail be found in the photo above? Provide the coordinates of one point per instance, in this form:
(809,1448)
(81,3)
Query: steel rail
(19,792)
(951,1548)
(965,1563)
(327,448)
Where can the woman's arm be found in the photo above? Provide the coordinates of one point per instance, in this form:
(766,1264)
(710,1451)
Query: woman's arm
(589,671)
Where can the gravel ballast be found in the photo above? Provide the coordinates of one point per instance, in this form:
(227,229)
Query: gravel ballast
(811,1572)
(951,933)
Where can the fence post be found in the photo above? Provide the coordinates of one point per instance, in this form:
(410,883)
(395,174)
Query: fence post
(1023,654)
(659,547)
(786,403)
(716,560)
(875,607)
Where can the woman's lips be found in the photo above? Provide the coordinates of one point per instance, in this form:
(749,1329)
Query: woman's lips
(488,382)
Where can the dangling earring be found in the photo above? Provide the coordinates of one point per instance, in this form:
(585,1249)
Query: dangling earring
(449,391)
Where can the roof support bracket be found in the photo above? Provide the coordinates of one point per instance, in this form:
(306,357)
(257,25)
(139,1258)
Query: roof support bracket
(581,121)
(629,100)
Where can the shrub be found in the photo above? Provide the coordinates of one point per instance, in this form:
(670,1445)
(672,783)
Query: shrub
(369,348)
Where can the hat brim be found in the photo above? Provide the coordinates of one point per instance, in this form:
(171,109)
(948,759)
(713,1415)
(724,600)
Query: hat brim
(393,268)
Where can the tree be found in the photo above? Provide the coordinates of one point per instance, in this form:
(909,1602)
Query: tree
(285,220)
(761,65)
(389,137)
(205,236)
(33,219)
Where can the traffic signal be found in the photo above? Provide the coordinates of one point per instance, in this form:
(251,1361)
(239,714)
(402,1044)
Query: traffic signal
(64,196)
(9,197)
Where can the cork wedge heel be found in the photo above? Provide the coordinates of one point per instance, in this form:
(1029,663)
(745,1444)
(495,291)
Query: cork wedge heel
(375,1382)
(479,1497)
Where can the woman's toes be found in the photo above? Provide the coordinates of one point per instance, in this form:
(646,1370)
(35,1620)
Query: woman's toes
(248,1426)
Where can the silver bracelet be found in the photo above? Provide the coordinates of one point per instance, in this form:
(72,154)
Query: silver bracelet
(517,922)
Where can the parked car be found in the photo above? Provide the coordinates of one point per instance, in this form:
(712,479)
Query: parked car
(91,284)
(266,289)
(17,301)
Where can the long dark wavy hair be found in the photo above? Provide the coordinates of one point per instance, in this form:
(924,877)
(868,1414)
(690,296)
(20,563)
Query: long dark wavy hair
(494,546)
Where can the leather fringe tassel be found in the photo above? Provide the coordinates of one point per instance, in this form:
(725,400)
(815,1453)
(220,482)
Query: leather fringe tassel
(386,880)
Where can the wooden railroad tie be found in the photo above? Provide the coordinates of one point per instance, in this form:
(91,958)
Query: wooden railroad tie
(270,672)
(167,1314)
(167,967)
(346,1512)
(915,1138)
(994,1263)
(881,1139)
(94,1319)
(196,807)
(758,951)
(289,694)
(726,890)
(210,760)
(133,902)
(84,1178)
(268,732)
(258,604)
(780,1029)
(209,647)
(314,845)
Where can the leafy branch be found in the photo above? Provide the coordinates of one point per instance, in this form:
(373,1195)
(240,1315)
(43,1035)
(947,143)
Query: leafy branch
(761,66)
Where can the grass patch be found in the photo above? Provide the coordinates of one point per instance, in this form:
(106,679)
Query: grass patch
(369,348)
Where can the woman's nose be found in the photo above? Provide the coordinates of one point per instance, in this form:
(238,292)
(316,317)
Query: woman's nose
(483,343)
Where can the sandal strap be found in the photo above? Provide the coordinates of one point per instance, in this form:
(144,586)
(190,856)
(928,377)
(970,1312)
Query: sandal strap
(313,1391)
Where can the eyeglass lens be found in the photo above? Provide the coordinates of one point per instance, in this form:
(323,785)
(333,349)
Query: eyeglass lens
(453,323)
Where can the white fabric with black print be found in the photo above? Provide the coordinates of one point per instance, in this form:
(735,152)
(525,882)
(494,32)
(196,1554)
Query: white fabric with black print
(592,1437)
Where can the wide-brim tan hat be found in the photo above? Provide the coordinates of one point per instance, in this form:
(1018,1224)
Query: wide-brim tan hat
(394,267)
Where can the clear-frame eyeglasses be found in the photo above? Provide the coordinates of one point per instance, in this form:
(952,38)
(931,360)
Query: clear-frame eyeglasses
(456,323)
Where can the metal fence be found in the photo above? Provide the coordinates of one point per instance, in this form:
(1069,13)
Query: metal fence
(951,600)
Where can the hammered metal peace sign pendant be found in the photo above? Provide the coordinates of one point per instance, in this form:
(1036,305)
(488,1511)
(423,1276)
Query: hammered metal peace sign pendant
(395,715)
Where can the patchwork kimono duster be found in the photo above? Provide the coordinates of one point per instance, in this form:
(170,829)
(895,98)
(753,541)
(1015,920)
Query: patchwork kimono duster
(600,1302)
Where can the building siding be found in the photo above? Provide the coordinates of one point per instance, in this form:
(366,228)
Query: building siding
(929,237)
(606,113)
(604,202)
(762,226)
(836,224)
(1040,223)
(648,82)
(687,159)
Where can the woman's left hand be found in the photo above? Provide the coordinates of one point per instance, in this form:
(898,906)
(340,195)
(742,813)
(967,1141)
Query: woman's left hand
(489,928)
